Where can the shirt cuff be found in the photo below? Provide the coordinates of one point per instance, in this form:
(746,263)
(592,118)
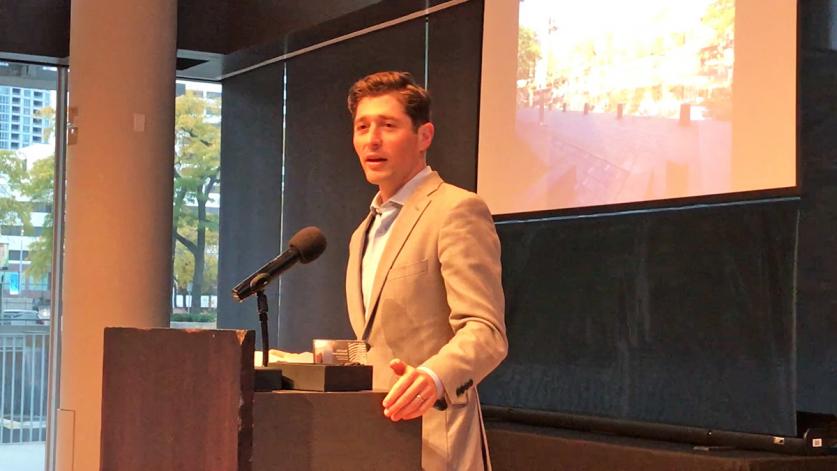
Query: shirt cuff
(440,390)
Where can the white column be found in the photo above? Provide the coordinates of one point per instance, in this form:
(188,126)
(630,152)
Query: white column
(117,268)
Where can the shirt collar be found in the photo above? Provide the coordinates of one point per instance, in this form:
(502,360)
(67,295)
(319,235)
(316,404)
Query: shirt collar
(402,195)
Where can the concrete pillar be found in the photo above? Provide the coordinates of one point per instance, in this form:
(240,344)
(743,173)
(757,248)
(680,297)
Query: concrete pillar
(117,268)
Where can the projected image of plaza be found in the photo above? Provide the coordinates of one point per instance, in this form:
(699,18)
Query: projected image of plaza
(625,101)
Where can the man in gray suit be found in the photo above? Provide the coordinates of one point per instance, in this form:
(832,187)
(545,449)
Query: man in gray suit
(423,278)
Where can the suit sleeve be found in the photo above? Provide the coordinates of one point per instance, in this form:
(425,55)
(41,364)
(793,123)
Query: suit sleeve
(469,255)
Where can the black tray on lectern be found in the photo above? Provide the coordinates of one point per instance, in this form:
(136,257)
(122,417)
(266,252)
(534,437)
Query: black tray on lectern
(268,378)
(320,377)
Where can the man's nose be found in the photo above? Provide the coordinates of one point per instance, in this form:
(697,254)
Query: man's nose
(374,136)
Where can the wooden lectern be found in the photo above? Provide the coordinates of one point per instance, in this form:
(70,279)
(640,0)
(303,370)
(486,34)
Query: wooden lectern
(183,400)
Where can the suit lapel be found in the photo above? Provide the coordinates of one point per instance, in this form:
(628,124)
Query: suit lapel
(354,298)
(403,226)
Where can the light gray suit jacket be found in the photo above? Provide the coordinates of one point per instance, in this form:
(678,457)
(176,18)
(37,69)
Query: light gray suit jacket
(437,301)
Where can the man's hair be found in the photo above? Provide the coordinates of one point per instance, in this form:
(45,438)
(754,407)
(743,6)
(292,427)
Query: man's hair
(416,99)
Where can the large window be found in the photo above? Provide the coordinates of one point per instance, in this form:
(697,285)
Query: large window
(197,182)
(27,169)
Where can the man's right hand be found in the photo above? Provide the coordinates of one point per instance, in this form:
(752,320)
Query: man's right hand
(412,395)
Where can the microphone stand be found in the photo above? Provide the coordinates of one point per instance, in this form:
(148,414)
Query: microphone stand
(266,378)
(262,306)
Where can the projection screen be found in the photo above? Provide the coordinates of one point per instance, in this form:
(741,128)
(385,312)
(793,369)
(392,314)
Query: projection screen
(607,102)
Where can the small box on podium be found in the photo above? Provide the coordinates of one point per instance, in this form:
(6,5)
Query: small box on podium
(339,352)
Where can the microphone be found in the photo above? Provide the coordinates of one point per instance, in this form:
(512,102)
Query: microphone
(305,246)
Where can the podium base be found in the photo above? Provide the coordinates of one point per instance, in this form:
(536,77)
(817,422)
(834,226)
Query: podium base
(335,431)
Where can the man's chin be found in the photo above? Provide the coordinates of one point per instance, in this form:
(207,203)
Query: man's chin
(375,177)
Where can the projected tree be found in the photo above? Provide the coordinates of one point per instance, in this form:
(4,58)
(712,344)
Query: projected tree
(528,53)
(717,58)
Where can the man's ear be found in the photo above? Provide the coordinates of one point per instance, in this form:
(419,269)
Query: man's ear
(425,135)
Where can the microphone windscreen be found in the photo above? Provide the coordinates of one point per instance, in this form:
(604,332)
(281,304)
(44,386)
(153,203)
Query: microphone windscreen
(309,242)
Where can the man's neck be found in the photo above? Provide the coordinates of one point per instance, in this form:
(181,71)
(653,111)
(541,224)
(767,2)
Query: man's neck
(386,193)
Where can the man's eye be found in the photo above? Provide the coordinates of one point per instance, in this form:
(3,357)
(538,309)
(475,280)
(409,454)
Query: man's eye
(361,127)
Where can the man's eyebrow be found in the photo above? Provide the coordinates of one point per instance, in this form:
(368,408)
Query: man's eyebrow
(376,116)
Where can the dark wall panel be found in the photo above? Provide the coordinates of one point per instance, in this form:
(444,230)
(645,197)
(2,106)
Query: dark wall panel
(817,299)
(682,317)
(251,183)
(454,61)
(203,25)
(255,22)
(325,185)
(35,27)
